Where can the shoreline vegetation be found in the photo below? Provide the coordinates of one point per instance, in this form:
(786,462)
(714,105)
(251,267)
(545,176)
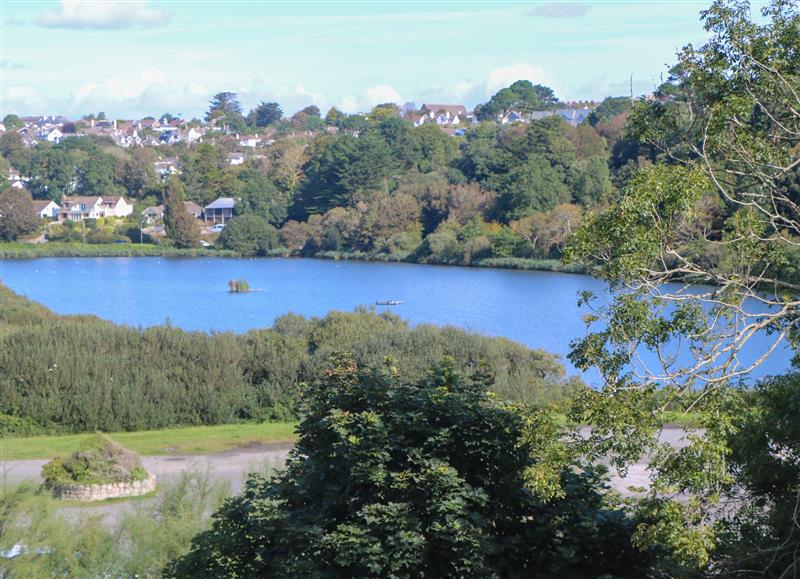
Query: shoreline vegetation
(21,250)
(72,374)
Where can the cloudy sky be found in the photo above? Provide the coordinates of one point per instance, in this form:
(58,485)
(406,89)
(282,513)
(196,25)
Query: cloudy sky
(137,57)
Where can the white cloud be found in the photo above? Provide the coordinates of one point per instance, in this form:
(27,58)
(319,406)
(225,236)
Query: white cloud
(103,15)
(506,75)
(380,94)
(372,96)
(120,89)
(21,100)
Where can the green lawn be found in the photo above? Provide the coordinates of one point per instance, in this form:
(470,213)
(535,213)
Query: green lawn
(189,440)
(58,249)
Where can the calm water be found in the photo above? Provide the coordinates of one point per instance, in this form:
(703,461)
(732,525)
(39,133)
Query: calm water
(537,309)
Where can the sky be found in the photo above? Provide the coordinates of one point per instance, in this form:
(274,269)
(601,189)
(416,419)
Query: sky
(137,58)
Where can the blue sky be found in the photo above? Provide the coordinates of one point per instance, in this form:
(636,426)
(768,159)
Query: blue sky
(130,59)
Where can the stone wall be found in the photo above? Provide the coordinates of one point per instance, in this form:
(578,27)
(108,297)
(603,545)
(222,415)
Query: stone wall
(107,491)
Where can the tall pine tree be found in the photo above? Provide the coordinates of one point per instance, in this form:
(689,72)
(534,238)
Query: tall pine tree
(181,226)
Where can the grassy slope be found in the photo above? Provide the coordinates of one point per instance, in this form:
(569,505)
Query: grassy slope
(55,249)
(189,440)
(18,250)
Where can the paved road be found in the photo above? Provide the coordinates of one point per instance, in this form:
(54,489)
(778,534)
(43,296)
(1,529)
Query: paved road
(233,466)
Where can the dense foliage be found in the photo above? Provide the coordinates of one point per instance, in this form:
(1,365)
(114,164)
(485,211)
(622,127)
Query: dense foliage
(422,478)
(99,461)
(84,374)
(721,210)
(37,540)
(368,186)
(17,216)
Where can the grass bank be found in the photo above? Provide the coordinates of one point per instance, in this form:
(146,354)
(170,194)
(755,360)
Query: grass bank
(189,440)
(17,250)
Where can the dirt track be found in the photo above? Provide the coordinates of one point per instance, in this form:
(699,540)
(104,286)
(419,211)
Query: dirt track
(233,466)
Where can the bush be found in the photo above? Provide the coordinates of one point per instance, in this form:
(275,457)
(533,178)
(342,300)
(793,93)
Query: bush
(249,235)
(11,426)
(100,461)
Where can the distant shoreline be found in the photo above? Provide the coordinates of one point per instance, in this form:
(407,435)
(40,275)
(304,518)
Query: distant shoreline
(18,250)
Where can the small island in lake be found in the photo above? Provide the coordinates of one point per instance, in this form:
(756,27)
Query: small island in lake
(239,286)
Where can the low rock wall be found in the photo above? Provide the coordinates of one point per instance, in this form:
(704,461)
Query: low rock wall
(106,491)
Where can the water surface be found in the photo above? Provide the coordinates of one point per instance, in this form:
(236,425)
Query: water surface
(538,309)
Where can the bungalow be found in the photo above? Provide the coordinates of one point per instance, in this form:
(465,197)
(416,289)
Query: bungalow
(193,209)
(156,214)
(45,208)
(235,158)
(219,211)
(79,208)
(115,206)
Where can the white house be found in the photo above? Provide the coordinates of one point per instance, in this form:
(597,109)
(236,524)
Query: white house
(249,141)
(79,208)
(512,117)
(235,158)
(52,136)
(115,206)
(46,209)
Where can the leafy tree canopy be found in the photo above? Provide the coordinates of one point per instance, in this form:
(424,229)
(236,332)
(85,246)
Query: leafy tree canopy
(413,479)
(522,96)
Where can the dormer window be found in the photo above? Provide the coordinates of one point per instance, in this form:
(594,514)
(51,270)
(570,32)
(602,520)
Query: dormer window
(83,206)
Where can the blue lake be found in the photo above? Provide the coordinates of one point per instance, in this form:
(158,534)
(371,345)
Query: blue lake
(538,309)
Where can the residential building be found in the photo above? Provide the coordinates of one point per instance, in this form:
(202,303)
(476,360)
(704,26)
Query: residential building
(219,211)
(46,209)
(512,117)
(79,208)
(115,206)
(249,140)
(156,214)
(441,114)
(235,158)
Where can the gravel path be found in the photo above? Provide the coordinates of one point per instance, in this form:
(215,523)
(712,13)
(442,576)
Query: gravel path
(233,466)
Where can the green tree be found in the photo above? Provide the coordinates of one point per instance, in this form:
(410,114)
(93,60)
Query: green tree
(259,196)
(249,235)
(17,214)
(52,173)
(522,96)
(225,108)
(533,186)
(266,114)
(412,479)
(12,121)
(334,117)
(181,226)
(732,133)
(608,109)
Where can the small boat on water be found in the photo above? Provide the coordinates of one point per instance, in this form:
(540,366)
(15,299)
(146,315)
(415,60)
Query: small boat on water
(389,303)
